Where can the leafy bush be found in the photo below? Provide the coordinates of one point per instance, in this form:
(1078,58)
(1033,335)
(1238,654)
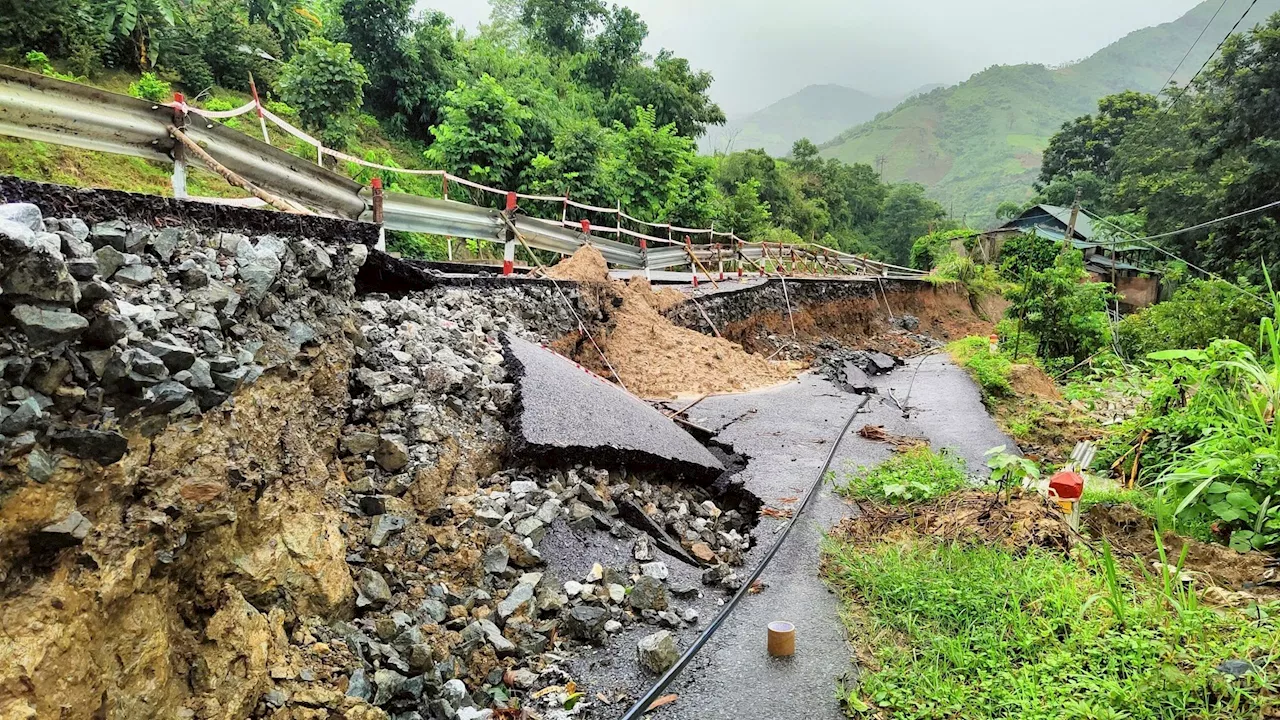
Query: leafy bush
(1063,309)
(150,87)
(929,251)
(977,278)
(1200,312)
(1025,253)
(1229,472)
(325,84)
(916,475)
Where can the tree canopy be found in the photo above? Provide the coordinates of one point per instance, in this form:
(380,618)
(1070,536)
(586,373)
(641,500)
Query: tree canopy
(1200,153)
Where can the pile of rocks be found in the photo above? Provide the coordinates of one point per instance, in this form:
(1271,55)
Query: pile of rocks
(121,323)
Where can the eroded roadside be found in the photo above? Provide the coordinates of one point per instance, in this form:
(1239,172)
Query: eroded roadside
(253,471)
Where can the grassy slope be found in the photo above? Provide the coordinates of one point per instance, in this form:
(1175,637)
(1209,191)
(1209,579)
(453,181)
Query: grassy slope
(818,112)
(979,142)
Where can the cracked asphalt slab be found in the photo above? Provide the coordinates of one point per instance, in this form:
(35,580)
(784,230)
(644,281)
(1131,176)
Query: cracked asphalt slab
(566,411)
(787,431)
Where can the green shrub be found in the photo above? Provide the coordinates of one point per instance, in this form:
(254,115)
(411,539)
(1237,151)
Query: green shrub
(929,251)
(1025,253)
(325,84)
(1063,309)
(1200,312)
(150,87)
(917,475)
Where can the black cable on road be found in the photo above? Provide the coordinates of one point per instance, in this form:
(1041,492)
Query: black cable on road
(642,705)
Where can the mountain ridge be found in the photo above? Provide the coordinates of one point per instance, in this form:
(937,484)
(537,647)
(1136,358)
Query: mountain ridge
(979,142)
(818,112)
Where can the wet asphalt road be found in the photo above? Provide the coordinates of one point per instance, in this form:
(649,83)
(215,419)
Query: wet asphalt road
(786,431)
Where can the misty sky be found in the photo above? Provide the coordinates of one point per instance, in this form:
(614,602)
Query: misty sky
(763,50)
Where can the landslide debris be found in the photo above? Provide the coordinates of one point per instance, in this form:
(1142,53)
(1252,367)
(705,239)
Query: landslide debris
(171,398)
(651,355)
(229,488)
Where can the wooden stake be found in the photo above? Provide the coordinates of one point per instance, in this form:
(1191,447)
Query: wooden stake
(235,179)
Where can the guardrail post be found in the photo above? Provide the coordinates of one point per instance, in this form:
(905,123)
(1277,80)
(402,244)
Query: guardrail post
(179,178)
(644,257)
(378,213)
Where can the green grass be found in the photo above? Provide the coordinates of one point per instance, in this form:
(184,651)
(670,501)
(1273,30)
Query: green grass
(916,475)
(991,371)
(975,632)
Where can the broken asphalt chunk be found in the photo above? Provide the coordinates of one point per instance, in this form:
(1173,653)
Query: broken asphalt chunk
(566,412)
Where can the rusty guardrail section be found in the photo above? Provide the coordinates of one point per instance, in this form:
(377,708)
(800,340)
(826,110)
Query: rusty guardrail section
(36,107)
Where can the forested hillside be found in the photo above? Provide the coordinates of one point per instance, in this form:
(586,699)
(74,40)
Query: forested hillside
(550,97)
(979,143)
(818,112)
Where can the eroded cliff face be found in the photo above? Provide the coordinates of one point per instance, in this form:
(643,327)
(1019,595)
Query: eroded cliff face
(169,496)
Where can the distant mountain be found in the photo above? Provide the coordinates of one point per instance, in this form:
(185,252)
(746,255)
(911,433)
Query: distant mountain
(980,142)
(818,112)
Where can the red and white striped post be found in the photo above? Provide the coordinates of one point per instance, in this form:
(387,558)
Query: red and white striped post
(444,194)
(257,105)
(509,250)
(509,257)
(376,184)
(644,257)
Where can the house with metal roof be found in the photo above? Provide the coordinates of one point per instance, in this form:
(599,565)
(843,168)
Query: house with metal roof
(1107,258)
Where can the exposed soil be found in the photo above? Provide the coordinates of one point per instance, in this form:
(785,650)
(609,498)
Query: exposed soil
(1130,531)
(1031,381)
(652,356)
(971,516)
(1224,576)
(943,314)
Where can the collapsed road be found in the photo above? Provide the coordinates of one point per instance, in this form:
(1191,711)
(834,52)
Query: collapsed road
(249,470)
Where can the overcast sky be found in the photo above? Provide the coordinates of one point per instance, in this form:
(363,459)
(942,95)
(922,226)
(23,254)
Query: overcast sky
(763,50)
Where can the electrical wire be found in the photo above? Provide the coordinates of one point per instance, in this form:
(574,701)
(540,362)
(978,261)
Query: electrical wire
(1193,45)
(642,705)
(1147,241)
(1209,59)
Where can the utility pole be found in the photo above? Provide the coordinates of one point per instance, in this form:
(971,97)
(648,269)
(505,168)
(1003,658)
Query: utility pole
(1071,226)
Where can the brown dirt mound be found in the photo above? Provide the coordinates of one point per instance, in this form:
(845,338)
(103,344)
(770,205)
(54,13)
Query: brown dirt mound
(585,265)
(1029,380)
(652,356)
(971,516)
(1131,532)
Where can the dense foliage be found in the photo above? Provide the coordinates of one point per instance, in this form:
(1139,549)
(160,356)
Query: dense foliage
(1027,253)
(325,84)
(1195,155)
(1199,312)
(550,97)
(1063,310)
(971,630)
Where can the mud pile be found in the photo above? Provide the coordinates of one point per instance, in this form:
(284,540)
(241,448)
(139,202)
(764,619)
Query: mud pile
(652,356)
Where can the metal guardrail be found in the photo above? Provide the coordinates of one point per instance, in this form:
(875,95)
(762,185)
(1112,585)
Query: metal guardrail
(55,111)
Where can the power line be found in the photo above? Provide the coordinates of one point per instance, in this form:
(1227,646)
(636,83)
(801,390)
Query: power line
(1193,45)
(1209,59)
(1147,241)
